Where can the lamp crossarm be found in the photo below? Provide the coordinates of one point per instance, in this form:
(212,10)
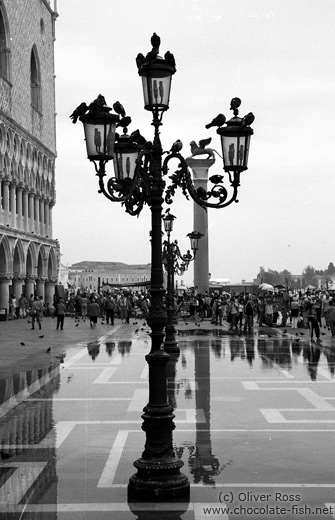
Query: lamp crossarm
(182,178)
(132,193)
(178,261)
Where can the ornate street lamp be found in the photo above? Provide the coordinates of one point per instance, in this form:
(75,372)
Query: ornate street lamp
(139,172)
(175,262)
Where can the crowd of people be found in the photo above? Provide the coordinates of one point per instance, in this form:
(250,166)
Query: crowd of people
(309,309)
(82,305)
(312,310)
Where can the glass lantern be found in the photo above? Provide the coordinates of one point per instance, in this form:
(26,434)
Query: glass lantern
(194,238)
(156,82)
(235,142)
(168,223)
(99,131)
(125,158)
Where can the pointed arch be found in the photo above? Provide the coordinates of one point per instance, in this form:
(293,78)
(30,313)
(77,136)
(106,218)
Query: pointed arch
(52,263)
(31,262)
(5,256)
(18,259)
(35,81)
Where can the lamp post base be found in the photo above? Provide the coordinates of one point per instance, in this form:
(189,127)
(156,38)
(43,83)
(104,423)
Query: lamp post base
(161,482)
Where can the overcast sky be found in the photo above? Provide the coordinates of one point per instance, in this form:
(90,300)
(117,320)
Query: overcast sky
(278,56)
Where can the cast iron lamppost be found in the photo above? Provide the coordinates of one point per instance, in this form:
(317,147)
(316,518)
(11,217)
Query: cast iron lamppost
(175,262)
(138,179)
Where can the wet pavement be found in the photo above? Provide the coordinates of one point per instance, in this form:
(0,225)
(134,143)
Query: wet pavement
(254,416)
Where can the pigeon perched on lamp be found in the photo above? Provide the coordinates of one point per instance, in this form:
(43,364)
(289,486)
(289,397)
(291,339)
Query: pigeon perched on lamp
(118,108)
(217,121)
(79,111)
(177,146)
(248,120)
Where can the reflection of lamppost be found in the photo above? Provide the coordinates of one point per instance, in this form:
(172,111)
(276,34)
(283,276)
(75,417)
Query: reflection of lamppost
(139,180)
(175,262)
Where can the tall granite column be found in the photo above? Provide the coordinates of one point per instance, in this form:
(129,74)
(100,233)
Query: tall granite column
(200,169)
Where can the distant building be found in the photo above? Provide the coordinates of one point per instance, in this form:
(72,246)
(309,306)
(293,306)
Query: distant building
(29,256)
(92,276)
(325,282)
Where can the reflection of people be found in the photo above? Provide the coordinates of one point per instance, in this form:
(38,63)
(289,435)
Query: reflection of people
(97,140)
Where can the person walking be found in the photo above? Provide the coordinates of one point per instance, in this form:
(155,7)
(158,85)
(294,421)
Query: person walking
(218,309)
(36,312)
(331,317)
(83,306)
(93,311)
(109,308)
(123,307)
(312,319)
(12,308)
(261,310)
(294,312)
(240,314)
(248,315)
(23,306)
(233,311)
(60,313)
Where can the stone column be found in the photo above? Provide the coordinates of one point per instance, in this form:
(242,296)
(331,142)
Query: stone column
(37,214)
(50,218)
(31,212)
(200,169)
(42,225)
(30,286)
(6,201)
(19,207)
(12,194)
(49,292)
(4,292)
(40,287)
(25,226)
(47,224)
(17,286)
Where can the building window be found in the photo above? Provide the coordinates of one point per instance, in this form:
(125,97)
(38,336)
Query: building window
(35,82)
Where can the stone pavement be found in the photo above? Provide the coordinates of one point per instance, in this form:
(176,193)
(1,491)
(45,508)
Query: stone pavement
(254,415)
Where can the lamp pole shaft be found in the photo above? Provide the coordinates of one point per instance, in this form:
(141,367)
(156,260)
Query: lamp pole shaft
(170,343)
(158,474)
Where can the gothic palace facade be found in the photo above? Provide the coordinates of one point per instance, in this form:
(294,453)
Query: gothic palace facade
(29,256)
